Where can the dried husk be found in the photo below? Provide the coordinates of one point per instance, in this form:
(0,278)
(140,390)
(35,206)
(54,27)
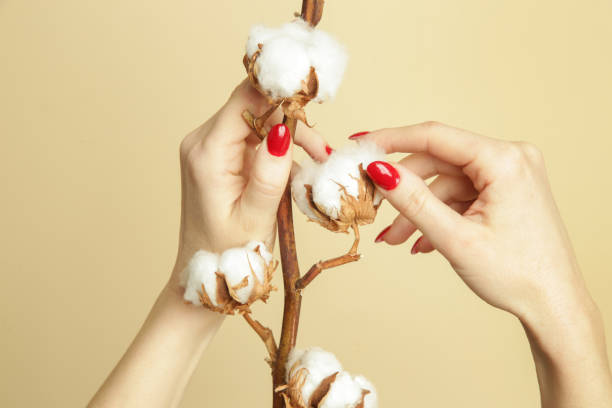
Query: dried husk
(360,210)
(227,302)
(292,391)
(293,107)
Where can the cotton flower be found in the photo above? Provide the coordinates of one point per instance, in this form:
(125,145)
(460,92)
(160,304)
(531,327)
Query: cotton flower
(230,281)
(315,378)
(294,64)
(337,193)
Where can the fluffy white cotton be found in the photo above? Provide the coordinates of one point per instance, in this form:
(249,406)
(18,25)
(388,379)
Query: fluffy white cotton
(344,392)
(263,250)
(201,270)
(371,399)
(237,263)
(288,53)
(327,179)
(319,363)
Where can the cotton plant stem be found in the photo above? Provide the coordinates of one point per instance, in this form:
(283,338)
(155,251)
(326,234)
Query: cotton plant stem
(311,12)
(316,269)
(266,336)
(291,273)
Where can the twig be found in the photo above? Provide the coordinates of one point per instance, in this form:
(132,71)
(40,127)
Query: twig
(257,123)
(266,335)
(316,269)
(291,273)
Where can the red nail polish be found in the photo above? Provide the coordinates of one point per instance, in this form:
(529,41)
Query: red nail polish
(328,150)
(415,248)
(383,174)
(357,135)
(279,139)
(381,235)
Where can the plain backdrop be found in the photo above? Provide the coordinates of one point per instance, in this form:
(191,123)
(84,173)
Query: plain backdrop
(95,97)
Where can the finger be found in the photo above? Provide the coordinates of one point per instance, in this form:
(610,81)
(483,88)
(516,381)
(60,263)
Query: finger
(409,194)
(229,127)
(307,138)
(425,166)
(448,190)
(312,142)
(423,245)
(455,146)
(269,175)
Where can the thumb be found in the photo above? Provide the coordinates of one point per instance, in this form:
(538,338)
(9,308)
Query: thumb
(269,173)
(408,193)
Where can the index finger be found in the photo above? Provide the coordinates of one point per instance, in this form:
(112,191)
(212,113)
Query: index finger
(453,145)
(229,126)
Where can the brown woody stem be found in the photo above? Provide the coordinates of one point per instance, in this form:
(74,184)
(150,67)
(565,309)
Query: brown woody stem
(291,273)
(265,334)
(311,12)
(316,269)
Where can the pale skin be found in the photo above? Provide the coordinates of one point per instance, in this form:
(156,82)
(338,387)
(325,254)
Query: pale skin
(468,214)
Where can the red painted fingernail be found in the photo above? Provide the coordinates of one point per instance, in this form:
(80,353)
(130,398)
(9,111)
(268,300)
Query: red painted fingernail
(415,248)
(381,235)
(383,174)
(279,139)
(357,135)
(328,150)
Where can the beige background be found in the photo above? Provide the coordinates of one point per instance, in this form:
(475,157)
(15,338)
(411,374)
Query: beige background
(95,97)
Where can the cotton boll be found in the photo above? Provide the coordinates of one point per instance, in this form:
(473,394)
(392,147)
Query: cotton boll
(344,392)
(286,57)
(329,59)
(342,169)
(282,66)
(319,364)
(332,181)
(259,34)
(234,264)
(305,176)
(315,378)
(261,247)
(201,270)
(371,399)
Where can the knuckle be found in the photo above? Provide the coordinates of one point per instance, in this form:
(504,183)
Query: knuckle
(510,159)
(432,125)
(531,152)
(265,187)
(413,205)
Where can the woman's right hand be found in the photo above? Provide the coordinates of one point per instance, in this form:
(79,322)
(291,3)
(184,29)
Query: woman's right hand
(490,212)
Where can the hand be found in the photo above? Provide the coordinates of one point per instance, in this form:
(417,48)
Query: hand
(231,188)
(490,212)
(230,193)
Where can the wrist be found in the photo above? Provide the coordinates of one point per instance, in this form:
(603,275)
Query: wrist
(566,331)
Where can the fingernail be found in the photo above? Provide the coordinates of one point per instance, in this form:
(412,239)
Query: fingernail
(380,237)
(328,150)
(279,139)
(415,248)
(357,135)
(383,174)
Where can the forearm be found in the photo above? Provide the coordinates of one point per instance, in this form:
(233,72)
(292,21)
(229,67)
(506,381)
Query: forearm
(568,346)
(158,364)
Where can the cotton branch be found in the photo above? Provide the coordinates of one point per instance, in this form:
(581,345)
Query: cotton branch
(265,334)
(316,269)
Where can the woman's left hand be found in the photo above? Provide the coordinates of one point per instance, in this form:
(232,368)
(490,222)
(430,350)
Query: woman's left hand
(232,182)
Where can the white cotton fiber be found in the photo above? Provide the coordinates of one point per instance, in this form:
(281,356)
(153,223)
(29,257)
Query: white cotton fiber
(320,365)
(344,392)
(327,179)
(288,53)
(201,270)
(371,399)
(236,264)
(263,250)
